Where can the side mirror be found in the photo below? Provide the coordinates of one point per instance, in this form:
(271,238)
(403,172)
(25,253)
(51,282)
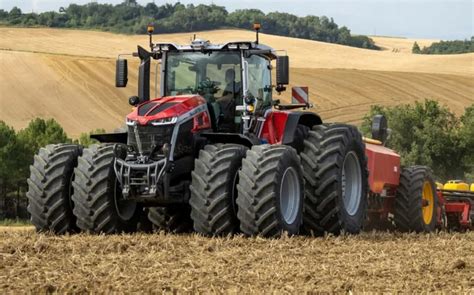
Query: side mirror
(380,129)
(121,73)
(283,70)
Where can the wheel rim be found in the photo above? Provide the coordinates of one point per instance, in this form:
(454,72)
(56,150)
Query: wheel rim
(71,191)
(428,202)
(125,208)
(234,192)
(290,193)
(351,183)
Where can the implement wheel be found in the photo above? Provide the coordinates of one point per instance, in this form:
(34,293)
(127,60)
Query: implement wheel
(214,189)
(336,179)
(416,203)
(98,202)
(49,188)
(270,191)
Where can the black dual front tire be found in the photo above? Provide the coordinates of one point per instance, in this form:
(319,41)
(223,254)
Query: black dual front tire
(270,191)
(336,180)
(98,202)
(49,188)
(213,189)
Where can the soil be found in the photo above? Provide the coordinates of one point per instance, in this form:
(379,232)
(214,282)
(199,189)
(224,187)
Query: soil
(380,262)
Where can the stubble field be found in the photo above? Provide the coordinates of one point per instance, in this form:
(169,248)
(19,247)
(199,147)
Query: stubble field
(382,262)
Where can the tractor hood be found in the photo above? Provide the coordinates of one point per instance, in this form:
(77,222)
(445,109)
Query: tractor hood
(165,110)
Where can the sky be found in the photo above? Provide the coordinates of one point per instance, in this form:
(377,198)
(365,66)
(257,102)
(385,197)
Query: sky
(433,19)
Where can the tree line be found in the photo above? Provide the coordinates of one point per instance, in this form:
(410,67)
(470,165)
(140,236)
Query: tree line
(445,47)
(130,17)
(427,133)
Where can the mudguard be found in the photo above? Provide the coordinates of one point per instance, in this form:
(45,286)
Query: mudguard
(298,118)
(280,126)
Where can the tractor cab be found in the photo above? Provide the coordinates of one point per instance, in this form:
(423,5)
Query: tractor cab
(226,76)
(234,78)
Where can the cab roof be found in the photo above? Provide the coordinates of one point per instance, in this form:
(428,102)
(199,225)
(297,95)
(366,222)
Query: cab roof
(205,45)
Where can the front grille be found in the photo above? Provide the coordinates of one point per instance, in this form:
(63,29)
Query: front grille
(150,137)
(183,145)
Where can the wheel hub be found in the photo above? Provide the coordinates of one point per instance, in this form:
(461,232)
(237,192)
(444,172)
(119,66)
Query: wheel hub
(427,203)
(290,192)
(351,183)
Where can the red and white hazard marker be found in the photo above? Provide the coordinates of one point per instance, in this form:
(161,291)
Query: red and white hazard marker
(299,95)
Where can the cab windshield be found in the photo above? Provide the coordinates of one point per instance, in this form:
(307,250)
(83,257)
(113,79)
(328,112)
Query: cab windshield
(213,75)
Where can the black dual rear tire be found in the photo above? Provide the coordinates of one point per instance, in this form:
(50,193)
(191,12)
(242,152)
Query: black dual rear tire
(270,191)
(336,180)
(98,202)
(49,188)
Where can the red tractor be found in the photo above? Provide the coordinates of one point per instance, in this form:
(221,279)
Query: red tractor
(217,153)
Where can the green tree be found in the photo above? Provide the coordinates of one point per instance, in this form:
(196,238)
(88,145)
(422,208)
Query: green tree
(450,47)
(8,157)
(86,140)
(3,14)
(467,140)
(416,48)
(425,133)
(15,12)
(16,154)
(37,134)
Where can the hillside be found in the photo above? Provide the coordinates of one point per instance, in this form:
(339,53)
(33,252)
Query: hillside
(401,45)
(69,75)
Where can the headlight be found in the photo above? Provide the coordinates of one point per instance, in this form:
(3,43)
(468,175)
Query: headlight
(130,122)
(165,121)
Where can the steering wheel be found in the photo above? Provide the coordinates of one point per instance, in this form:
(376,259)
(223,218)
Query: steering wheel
(208,88)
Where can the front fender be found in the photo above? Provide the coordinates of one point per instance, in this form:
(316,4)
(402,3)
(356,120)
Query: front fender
(299,118)
(280,127)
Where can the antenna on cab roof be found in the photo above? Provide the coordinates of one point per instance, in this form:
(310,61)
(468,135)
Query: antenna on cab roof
(150,29)
(256,27)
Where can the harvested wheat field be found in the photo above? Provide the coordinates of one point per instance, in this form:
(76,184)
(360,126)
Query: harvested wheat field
(379,262)
(69,75)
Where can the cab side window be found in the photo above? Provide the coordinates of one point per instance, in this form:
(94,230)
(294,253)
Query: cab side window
(259,79)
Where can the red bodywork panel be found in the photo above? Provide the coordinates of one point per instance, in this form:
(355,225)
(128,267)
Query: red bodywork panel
(183,104)
(459,208)
(462,210)
(274,127)
(384,167)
